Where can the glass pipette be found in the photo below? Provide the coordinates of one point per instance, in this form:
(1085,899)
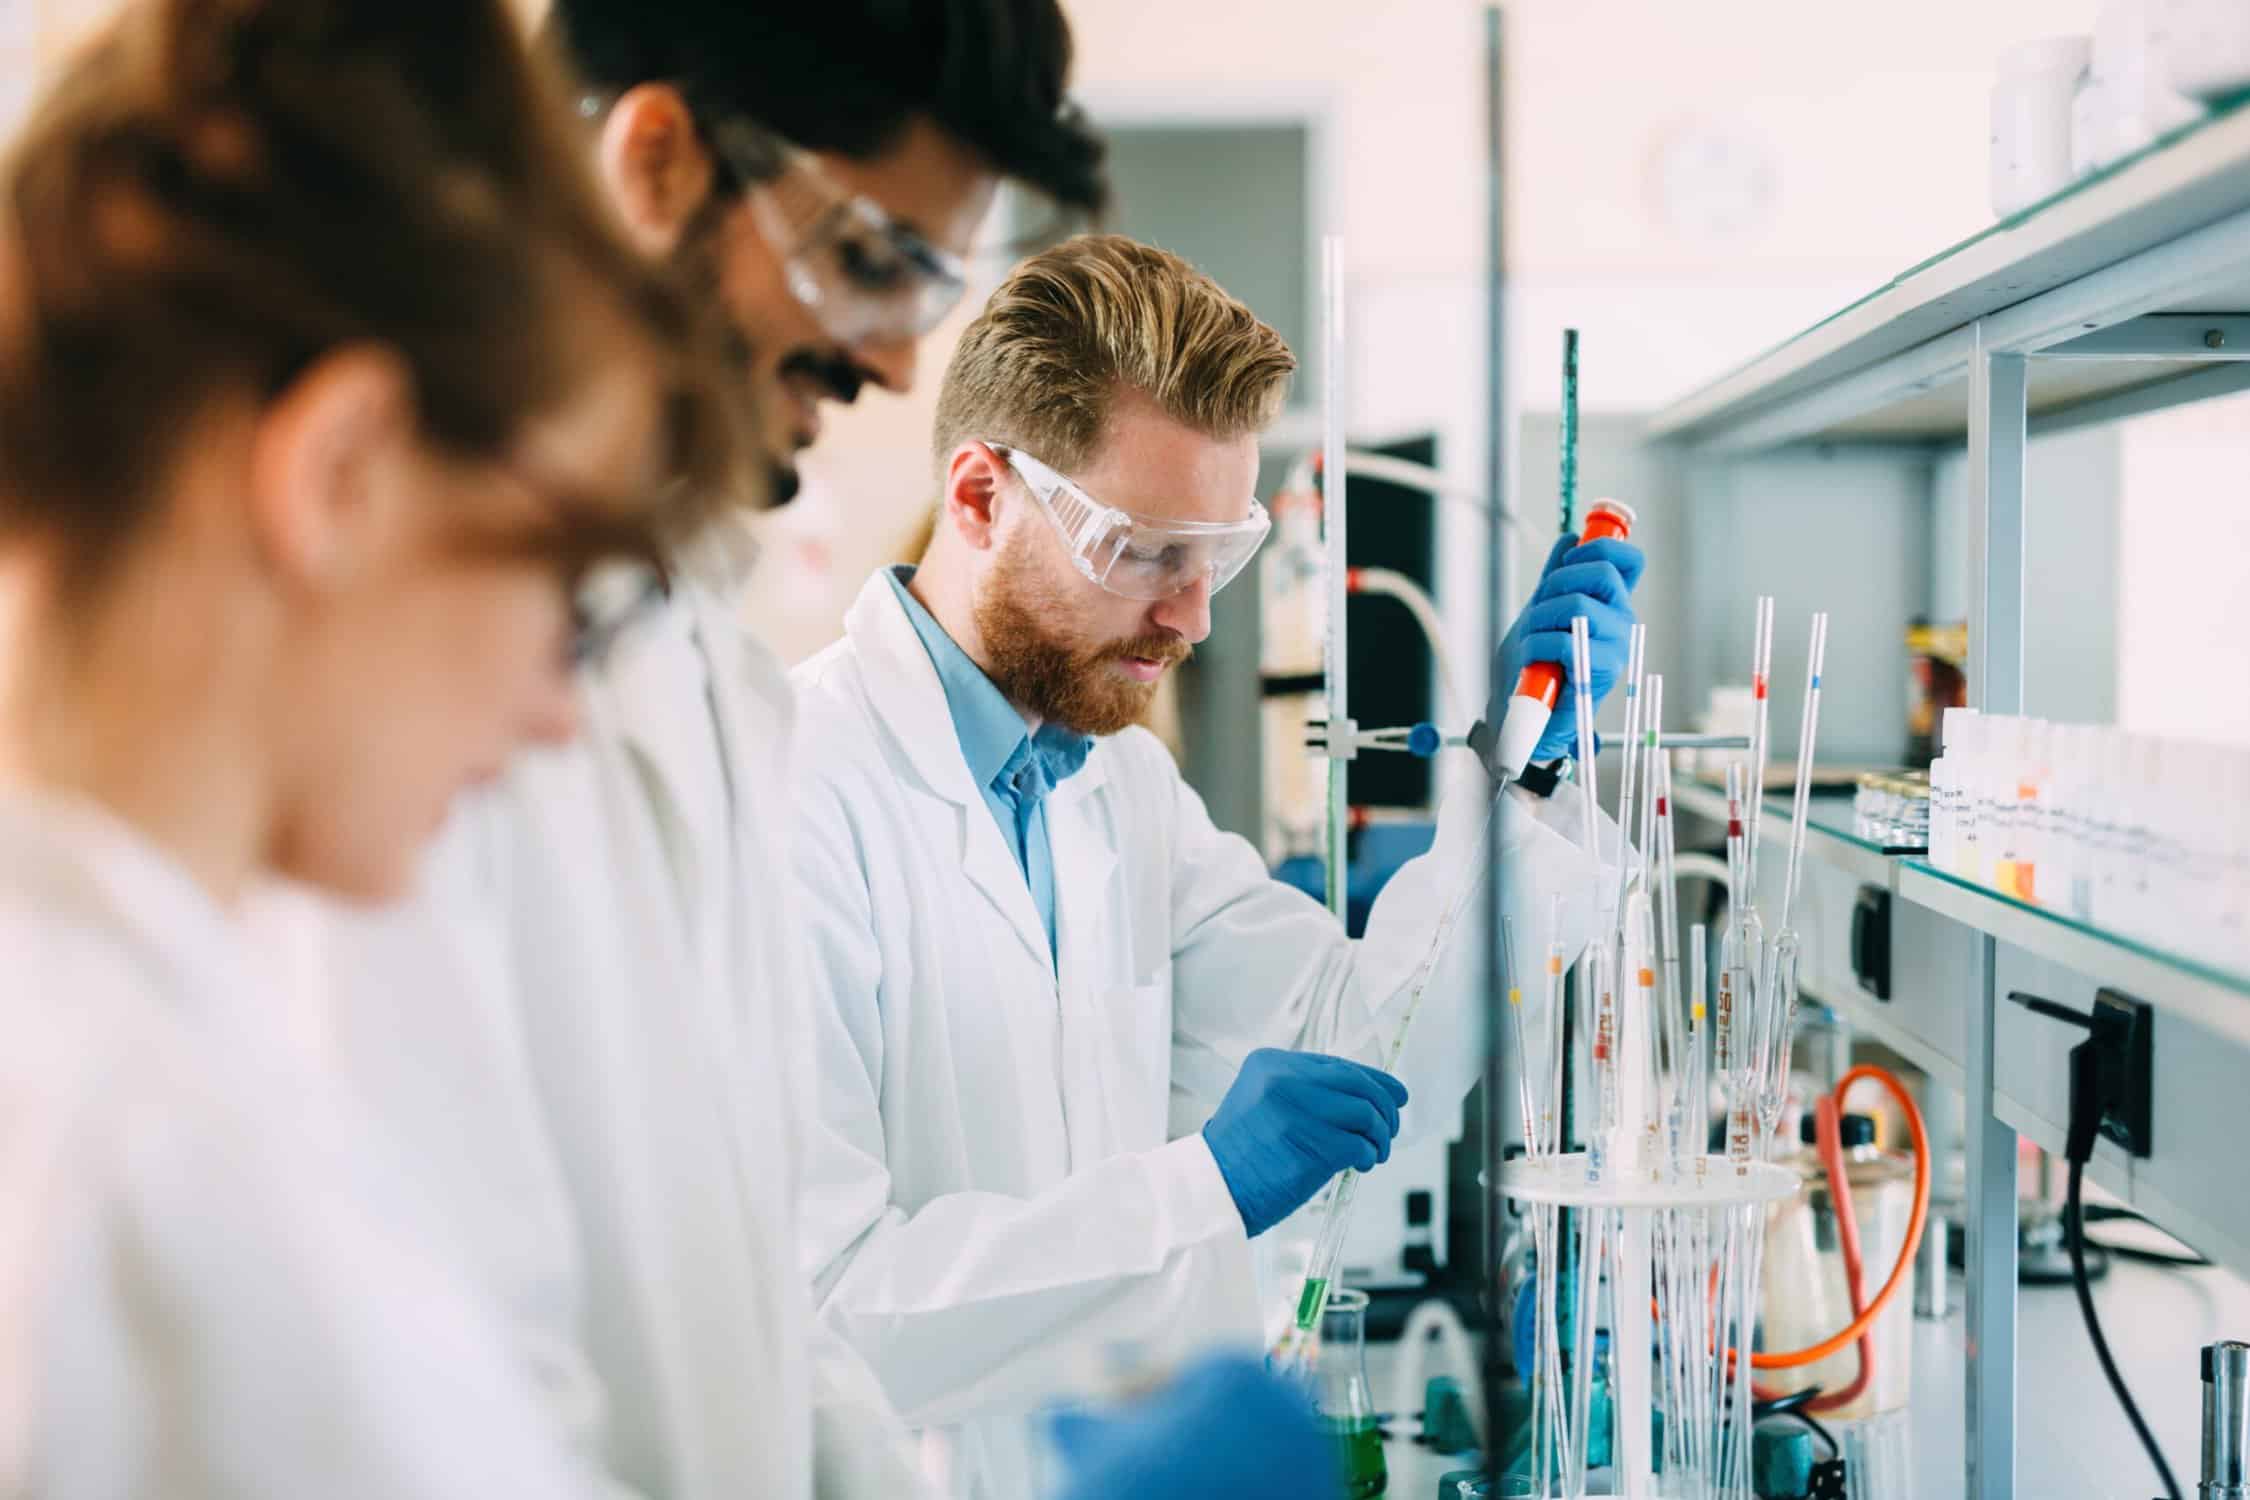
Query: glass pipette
(1698,1081)
(1657,878)
(1781,965)
(1736,1004)
(1546,1216)
(1549,1119)
(1525,1064)
(1629,761)
(1328,1245)
(1761,675)
(1593,974)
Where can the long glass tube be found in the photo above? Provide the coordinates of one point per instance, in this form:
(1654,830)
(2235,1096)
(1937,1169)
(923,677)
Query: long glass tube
(1335,1224)
(1736,1003)
(1629,762)
(1779,969)
(1548,1217)
(1761,675)
(1332,526)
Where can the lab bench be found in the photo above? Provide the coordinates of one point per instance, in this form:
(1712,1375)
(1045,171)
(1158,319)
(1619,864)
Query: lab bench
(2126,294)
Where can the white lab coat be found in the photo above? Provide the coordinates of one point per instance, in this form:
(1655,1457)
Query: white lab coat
(588,1029)
(212,1281)
(1009,1174)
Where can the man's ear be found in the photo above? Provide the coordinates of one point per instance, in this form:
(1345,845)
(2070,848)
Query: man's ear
(973,477)
(317,506)
(654,166)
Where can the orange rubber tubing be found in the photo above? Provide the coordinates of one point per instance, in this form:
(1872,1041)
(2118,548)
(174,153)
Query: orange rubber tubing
(1794,1359)
(1829,1118)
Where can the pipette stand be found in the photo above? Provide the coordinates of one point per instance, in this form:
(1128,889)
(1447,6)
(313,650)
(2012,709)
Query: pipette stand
(1690,1195)
(1654,1199)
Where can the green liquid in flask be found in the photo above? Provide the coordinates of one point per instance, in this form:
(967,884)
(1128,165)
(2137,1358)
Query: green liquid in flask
(1359,1454)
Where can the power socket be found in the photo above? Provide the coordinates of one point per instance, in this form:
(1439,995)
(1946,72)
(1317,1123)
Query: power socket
(2125,1069)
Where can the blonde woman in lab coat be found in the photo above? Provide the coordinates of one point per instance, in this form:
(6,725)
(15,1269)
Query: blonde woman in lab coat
(324,387)
(1062,1016)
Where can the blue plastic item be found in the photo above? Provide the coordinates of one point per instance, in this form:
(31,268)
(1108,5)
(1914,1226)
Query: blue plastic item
(1225,1430)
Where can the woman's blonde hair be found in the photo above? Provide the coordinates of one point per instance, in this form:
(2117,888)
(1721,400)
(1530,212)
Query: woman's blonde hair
(1073,327)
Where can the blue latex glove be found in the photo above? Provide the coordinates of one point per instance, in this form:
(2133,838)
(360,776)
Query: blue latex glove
(1595,580)
(1225,1430)
(1293,1120)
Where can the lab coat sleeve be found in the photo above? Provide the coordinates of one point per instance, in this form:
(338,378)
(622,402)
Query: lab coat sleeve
(423,1024)
(1260,964)
(980,1303)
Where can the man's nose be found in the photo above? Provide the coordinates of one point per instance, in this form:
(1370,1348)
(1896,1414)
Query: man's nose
(1187,613)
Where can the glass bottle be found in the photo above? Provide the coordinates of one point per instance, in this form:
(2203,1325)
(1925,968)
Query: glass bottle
(1806,1295)
(1346,1402)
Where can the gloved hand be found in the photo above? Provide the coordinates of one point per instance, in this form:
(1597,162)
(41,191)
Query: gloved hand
(1225,1430)
(1293,1120)
(1595,580)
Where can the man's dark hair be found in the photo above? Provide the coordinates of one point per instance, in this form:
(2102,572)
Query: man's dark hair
(847,75)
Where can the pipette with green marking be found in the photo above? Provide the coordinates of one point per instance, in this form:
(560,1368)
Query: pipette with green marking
(1328,1247)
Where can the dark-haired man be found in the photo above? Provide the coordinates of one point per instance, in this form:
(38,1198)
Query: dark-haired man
(586,1032)
(835,163)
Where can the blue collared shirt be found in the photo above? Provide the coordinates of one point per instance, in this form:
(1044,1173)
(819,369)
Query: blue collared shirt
(1015,769)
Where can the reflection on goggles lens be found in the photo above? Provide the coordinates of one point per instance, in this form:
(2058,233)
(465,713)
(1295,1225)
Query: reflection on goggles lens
(1144,564)
(865,276)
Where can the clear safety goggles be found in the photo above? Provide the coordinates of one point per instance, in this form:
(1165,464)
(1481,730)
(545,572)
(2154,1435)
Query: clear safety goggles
(865,277)
(1133,555)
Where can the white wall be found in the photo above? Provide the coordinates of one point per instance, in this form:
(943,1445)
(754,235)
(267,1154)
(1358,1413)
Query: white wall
(2183,650)
(1860,127)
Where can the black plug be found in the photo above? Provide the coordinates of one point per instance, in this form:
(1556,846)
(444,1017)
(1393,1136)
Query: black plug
(2111,1072)
(2085,1102)
(2109,1095)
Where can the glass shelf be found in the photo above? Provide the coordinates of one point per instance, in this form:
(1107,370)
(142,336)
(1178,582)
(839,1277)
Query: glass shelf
(1892,365)
(2056,935)
(2077,188)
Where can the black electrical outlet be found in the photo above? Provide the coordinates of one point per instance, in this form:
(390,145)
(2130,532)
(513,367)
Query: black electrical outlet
(2123,1030)
(1871,941)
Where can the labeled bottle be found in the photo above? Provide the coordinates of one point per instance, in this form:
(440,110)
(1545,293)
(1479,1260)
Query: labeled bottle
(2030,825)
(1947,773)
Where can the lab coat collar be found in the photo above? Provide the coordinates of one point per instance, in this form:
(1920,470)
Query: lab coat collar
(904,690)
(78,855)
(990,728)
(985,722)
(909,702)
